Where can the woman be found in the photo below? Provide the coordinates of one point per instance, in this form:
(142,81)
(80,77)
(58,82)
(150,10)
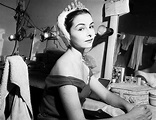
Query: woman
(71,80)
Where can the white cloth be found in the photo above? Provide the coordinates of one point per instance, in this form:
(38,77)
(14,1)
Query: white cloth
(16,74)
(112,111)
(95,105)
(136,57)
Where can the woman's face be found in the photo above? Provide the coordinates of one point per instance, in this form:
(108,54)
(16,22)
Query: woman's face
(82,32)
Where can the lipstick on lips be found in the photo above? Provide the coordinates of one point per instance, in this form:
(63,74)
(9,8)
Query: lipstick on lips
(90,40)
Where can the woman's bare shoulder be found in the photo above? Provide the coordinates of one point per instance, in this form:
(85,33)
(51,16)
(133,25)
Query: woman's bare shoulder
(63,66)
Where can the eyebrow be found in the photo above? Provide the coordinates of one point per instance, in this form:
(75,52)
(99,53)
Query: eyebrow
(83,24)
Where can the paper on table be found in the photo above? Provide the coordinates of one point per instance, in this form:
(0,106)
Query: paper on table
(118,7)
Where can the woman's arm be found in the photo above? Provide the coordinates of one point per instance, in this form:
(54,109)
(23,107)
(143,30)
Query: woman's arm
(71,102)
(72,105)
(108,96)
(134,112)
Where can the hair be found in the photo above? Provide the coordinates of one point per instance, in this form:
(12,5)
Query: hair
(70,17)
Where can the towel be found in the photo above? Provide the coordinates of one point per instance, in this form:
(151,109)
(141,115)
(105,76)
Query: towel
(16,74)
(94,105)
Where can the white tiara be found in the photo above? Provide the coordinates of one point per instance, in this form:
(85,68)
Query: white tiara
(75,6)
(61,18)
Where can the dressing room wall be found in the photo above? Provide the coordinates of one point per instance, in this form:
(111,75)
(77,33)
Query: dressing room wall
(42,14)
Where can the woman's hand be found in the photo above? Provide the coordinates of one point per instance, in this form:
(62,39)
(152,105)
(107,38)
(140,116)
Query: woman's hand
(129,106)
(140,113)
